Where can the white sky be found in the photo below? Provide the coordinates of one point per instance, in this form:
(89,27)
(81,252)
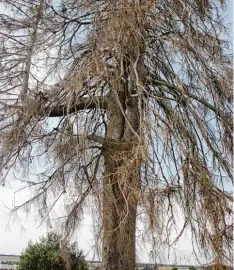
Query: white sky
(15,232)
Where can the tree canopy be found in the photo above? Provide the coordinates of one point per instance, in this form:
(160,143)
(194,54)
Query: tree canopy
(128,106)
(47,254)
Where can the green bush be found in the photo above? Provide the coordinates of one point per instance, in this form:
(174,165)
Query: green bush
(192,268)
(46,255)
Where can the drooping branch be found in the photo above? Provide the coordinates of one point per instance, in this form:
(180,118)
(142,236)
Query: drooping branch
(189,95)
(28,62)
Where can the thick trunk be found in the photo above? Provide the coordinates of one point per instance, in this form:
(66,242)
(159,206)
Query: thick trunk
(121,183)
(119,212)
(120,190)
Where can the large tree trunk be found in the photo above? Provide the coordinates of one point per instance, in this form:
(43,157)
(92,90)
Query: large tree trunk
(121,183)
(120,189)
(119,212)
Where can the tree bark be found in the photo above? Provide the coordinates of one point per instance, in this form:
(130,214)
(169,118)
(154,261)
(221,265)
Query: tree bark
(121,183)
(119,212)
(120,187)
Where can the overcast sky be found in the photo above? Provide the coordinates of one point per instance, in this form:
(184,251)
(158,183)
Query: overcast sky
(15,232)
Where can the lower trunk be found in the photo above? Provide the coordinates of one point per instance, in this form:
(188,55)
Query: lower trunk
(120,188)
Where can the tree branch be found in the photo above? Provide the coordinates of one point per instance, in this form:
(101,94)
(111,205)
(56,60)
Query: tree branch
(79,105)
(30,48)
(201,100)
(108,143)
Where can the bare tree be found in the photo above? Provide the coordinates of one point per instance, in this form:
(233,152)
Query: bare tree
(140,93)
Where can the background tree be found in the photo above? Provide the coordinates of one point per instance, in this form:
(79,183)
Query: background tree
(218,266)
(192,268)
(47,254)
(141,92)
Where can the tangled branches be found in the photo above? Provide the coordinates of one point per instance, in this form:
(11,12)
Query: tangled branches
(139,93)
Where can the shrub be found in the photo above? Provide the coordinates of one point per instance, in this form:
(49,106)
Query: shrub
(46,255)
